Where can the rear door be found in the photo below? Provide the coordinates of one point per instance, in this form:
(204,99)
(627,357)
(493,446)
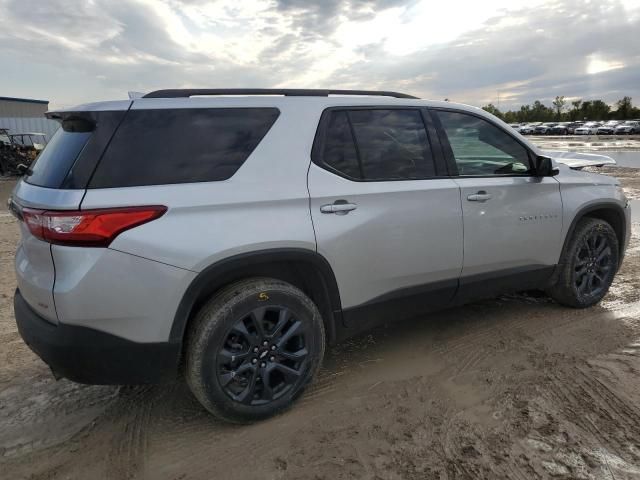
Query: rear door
(390,227)
(512,218)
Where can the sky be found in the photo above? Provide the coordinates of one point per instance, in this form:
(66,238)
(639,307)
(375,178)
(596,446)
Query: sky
(505,52)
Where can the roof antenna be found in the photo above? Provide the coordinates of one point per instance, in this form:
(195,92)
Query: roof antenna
(134,95)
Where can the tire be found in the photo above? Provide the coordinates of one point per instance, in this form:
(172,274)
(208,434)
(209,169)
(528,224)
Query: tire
(583,282)
(227,360)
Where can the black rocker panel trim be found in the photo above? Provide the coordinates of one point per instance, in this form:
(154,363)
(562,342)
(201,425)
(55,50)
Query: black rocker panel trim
(417,300)
(492,284)
(397,305)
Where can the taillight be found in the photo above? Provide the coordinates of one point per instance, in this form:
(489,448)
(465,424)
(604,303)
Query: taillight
(87,228)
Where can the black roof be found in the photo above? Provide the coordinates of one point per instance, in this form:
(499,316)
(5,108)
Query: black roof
(289,92)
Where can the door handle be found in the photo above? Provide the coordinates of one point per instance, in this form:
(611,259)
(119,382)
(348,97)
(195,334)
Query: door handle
(481,196)
(339,207)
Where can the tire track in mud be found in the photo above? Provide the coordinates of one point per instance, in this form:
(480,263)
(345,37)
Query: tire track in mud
(127,453)
(595,408)
(324,385)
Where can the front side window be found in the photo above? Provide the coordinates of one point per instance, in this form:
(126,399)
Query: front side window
(481,148)
(378,144)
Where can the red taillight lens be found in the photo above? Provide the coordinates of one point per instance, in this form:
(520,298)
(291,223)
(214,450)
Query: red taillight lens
(87,228)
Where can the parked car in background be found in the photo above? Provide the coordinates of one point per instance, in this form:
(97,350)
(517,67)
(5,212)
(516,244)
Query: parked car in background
(573,125)
(544,129)
(608,128)
(627,128)
(560,129)
(589,128)
(516,126)
(565,128)
(527,129)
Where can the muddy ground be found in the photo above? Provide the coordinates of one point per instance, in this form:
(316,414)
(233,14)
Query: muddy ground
(516,387)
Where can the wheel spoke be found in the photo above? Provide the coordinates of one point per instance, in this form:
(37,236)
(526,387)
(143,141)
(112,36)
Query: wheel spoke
(240,328)
(257,317)
(225,378)
(581,271)
(267,391)
(295,356)
(283,317)
(601,245)
(291,332)
(603,254)
(587,244)
(227,356)
(246,396)
(581,283)
(290,374)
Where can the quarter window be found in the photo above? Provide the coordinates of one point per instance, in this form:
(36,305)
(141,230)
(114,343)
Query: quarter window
(378,144)
(481,148)
(156,147)
(55,161)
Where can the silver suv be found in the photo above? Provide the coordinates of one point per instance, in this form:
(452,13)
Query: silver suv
(229,235)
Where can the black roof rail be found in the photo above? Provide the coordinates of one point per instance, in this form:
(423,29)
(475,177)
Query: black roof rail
(288,92)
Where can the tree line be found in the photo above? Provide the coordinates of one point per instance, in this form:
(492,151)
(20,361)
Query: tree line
(562,110)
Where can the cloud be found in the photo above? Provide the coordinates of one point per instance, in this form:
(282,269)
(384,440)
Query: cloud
(72,51)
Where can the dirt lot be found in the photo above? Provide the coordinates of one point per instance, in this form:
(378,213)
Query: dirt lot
(517,388)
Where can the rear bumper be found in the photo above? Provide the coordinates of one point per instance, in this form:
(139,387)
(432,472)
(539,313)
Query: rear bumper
(85,355)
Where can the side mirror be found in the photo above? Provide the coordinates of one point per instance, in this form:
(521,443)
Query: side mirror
(544,167)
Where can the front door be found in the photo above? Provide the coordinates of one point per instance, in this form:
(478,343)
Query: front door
(512,218)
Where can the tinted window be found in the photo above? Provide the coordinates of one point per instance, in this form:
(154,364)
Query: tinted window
(156,147)
(57,158)
(481,148)
(339,149)
(392,144)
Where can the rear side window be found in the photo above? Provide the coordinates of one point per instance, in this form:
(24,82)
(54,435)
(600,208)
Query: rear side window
(377,144)
(159,147)
(392,144)
(57,158)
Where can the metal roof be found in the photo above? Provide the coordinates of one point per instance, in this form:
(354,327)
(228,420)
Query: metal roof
(24,100)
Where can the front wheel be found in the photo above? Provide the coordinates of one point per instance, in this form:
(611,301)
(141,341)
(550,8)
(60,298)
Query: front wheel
(588,264)
(253,348)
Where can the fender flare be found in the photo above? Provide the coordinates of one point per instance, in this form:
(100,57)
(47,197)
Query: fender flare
(584,212)
(225,271)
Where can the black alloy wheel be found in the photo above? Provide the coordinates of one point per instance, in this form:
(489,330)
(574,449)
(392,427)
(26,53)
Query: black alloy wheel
(588,264)
(263,356)
(593,265)
(253,348)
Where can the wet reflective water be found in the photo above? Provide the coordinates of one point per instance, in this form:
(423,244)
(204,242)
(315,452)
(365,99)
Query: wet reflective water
(624,159)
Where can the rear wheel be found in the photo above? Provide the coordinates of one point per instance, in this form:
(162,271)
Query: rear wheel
(588,264)
(253,349)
